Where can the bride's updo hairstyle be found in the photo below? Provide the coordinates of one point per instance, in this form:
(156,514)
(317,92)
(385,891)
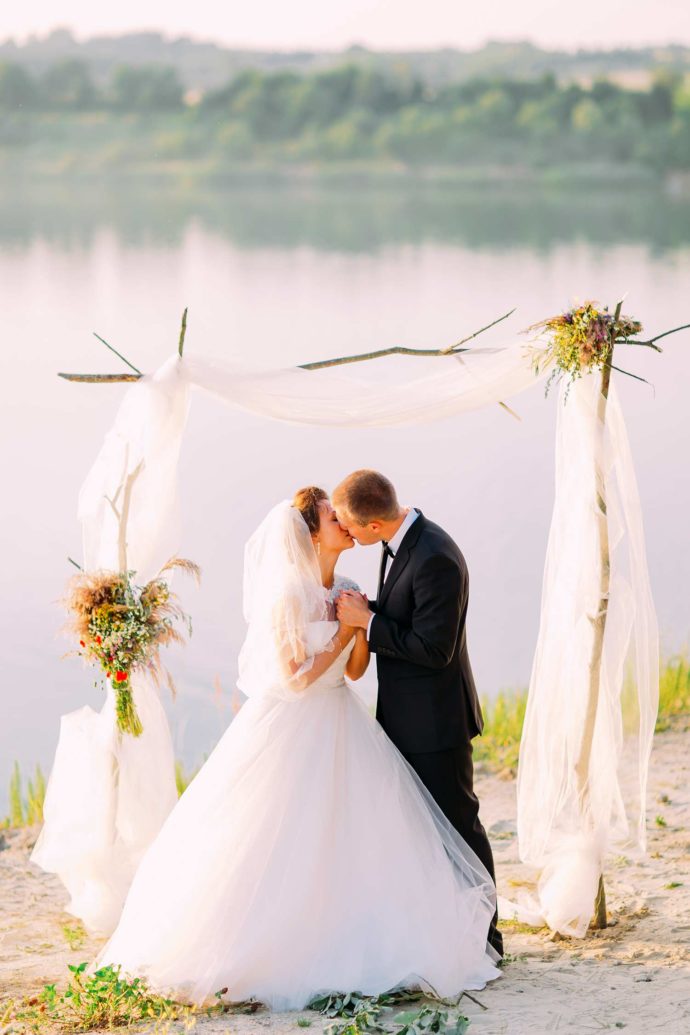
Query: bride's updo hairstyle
(307,502)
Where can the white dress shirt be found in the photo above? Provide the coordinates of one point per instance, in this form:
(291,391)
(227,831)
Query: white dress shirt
(394,546)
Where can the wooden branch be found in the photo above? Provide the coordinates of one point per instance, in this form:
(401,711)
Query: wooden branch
(644,344)
(183,331)
(322,364)
(126,500)
(582,764)
(130,365)
(101,378)
(400,350)
(600,920)
(452,348)
(628,374)
(114,509)
(394,350)
(121,516)
(664,334)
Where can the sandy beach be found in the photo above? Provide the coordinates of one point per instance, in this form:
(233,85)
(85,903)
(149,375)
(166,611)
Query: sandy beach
(633,976)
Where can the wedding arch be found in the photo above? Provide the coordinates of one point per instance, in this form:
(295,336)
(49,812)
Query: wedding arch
(593,691)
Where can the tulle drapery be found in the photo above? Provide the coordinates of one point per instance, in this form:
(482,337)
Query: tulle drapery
(106,800)
(582,781)
(135,468)
(109,793)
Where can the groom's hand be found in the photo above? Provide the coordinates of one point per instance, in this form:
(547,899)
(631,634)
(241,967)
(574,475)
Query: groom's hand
(353,609)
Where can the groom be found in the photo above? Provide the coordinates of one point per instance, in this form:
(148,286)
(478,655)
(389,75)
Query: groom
(427,701)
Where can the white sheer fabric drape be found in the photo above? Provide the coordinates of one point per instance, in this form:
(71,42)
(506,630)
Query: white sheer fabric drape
(387,392)
(108,793)
(106,800)
(568,820)
(142,449)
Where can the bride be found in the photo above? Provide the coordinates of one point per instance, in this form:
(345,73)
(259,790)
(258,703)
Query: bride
(306,856)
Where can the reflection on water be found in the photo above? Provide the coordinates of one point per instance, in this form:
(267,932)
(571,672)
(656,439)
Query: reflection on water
(290,276)
(70,213)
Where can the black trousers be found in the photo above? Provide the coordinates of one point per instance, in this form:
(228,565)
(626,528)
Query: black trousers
(448,776)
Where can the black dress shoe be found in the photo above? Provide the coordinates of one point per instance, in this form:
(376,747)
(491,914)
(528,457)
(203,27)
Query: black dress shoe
(495,940)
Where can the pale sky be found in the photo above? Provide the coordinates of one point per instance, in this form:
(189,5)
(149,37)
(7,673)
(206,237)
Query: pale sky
(394,24)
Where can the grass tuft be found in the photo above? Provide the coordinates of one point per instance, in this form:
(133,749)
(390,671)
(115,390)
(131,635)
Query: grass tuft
(106,999)
(674,690)
(499,745)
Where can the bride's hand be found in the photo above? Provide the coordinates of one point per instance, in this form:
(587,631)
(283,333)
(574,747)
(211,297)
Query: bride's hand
(353,608)
(345,633)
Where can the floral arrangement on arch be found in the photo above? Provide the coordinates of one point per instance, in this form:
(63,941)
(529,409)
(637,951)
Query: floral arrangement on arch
(122,626)
(582,339)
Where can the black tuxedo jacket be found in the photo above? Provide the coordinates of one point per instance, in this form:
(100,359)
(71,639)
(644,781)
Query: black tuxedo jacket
(427,700)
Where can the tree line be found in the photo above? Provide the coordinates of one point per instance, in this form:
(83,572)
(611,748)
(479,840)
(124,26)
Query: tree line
(354,112)
(69,86)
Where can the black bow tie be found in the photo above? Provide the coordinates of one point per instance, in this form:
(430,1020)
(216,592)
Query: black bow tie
(386,552)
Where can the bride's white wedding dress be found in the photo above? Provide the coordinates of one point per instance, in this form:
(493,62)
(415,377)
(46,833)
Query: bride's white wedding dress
(305,856)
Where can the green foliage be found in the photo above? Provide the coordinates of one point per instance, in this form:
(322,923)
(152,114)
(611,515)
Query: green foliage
(17,88)
(347,1004)
(356,111)
(674,690)
(36,792)
(74,934)
(105,1000)
(29,810)
(432,1021)
(183,778)
(68,84)
(145,88)
(363,1015)
(101,1000)
(16,816)
(499,744)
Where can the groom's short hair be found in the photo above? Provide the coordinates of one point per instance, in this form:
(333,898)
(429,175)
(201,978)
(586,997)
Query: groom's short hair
(367,496)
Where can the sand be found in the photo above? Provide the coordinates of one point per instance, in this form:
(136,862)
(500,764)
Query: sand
(633,976)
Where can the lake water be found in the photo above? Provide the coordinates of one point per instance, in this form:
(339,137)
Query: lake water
(291,276)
